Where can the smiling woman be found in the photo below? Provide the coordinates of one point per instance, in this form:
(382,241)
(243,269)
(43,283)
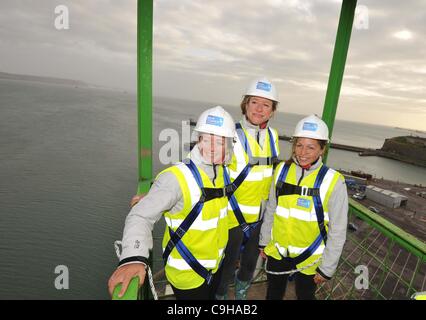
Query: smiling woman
(311,137)
(259,110)
(308,150)
(191,196)
(255,152)
(304,227)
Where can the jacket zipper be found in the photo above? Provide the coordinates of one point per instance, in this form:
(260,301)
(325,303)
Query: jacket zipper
(214,177)
(301,177)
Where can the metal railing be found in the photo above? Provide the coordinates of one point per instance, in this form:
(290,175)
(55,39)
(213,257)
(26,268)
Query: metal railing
(379,261)
(394,259)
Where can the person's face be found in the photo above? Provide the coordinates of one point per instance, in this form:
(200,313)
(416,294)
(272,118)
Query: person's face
(259,110)
(212,148)
(307,151)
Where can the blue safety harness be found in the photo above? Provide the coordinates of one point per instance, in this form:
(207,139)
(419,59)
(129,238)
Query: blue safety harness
(284,188)
(231,187)
(175,241)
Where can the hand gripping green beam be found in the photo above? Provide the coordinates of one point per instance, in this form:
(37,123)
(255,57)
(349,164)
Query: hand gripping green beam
(132,292)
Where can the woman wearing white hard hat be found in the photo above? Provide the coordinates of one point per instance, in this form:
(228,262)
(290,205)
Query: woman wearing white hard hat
(192,198)
(304,227)
(255,151)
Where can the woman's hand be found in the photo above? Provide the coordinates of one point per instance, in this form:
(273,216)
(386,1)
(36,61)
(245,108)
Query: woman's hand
(262,253)
(318,279)
(136,199)
(124,274)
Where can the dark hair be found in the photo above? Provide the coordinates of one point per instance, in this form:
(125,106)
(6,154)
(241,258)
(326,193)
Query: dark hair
(246,100)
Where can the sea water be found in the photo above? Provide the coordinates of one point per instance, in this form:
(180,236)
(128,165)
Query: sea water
(68,168)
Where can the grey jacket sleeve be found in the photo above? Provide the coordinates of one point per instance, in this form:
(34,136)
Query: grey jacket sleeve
(268,218)
(164,194)
(336,237)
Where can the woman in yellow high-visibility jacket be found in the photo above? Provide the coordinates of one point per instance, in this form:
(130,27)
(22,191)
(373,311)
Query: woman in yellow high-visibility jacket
(305,222)
(192,198)
(256,146)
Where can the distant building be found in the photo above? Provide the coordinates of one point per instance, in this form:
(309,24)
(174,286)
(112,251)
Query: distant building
(355,183)
(386,198)
(353,179)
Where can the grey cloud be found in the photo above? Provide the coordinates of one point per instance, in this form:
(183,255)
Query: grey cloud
(218,46)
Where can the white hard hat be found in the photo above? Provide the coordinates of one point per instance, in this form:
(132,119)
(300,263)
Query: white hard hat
(262,88)
(216,121)
(311,127)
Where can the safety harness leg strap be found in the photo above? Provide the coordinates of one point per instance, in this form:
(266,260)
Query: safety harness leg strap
(191,260)
(305,254)
(245,227)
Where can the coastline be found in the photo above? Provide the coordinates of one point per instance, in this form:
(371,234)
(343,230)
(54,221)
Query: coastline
(398,153)
(413,156)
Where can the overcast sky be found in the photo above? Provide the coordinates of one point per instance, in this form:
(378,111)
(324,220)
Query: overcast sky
(210,50)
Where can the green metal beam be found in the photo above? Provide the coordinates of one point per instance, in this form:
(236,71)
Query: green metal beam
(145,29)
(144,96)
(132,292)
(144,76)
(338,64)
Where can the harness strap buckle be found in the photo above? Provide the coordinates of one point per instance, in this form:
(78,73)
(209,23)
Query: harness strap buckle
(209,277)
(304,191)
(229,189)
(316,192)
(245,227)
(180,232)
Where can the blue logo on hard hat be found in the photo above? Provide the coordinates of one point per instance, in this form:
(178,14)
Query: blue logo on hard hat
(310,126)
(263,86)
(305,203)
(215,121)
